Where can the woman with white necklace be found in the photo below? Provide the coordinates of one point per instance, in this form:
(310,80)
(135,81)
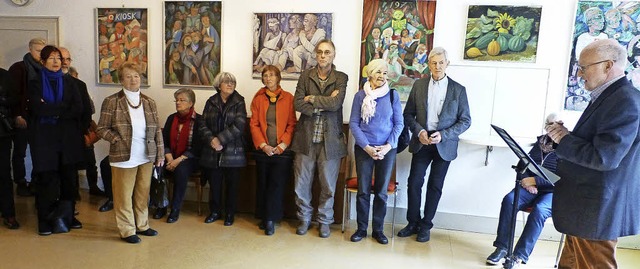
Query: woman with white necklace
(376,123)
(129,122)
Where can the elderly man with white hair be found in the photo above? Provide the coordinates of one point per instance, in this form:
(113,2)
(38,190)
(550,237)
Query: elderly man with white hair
(376,123)
(597,198)
(437,112)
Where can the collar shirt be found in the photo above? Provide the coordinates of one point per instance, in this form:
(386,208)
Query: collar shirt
(437,91)
(597,91)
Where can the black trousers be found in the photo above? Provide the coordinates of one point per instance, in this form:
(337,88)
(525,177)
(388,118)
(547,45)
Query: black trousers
(105,172)
(7,204)
(90,167)
(20,142)
(420,161)
(273,172)
(52,186)
(180,179)
(215,177)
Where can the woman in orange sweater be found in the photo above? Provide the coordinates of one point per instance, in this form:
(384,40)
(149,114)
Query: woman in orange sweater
(272,122)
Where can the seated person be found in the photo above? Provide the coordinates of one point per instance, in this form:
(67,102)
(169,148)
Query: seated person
(536,193)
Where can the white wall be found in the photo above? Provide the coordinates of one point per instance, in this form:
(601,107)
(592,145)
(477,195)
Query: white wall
(471,188)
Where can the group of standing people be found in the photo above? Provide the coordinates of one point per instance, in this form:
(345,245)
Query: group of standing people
(44,105)
(597,161)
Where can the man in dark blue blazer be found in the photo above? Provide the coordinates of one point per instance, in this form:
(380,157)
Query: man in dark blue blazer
(437,112)
(597,199)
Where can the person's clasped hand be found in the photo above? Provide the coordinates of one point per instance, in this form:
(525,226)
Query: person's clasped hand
(556,131)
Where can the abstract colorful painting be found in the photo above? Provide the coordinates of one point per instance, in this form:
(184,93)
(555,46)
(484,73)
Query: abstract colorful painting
(192,40)
(596,20)
(502,33)
(288,40)
(121,37)
(401,33)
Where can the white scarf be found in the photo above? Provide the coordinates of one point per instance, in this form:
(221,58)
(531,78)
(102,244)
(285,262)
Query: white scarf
(369,101)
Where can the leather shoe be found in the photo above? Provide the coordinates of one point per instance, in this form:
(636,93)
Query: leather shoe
(497,255)
(11,223)
(424,235)
(358,235)
(160,212)
(75,224)
(380,237)
(108,205)
(212,217)
(261,225)
(148,232)
(303,228)
(134,239)
(269,227)
(408,230)
(228,220)
(44,228)
(173,216)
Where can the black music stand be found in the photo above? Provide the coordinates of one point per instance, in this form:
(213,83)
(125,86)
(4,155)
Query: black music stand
(528,164)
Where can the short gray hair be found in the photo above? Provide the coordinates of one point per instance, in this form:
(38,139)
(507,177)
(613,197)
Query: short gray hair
(609,49)
(223,77)
(375,65)
(438,51)
(551,118)
(187,92)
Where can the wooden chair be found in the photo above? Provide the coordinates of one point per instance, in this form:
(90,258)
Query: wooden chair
(195,179)
(351,187)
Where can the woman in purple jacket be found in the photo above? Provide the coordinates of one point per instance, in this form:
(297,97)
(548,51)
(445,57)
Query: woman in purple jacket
(376,122)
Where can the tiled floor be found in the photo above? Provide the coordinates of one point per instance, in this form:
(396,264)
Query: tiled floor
(189,243)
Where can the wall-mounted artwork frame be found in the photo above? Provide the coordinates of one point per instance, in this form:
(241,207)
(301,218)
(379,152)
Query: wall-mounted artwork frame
(596,20)
(192,42)
(401,32)
(121,36)
(502,33)
(287,40)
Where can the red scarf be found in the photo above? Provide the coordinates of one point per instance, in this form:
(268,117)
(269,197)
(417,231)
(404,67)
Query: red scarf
(180,142)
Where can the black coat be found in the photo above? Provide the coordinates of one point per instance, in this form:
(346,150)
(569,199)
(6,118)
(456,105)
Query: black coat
(227,122)
(60,143)
(8,98)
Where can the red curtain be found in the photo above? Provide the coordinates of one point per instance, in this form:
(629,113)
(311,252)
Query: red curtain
(369,10)
(427,12)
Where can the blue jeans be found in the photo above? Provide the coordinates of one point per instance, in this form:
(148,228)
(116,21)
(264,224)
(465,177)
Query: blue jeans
(419,164)
(365,168)
(541,204)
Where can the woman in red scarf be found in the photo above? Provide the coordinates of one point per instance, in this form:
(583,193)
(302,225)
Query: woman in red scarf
(272,122)
(181,148)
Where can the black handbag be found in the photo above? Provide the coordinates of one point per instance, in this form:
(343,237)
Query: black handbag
(159,196)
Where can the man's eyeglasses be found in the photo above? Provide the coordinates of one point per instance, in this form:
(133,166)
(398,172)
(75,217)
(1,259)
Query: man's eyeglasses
(67,59)
(583,68)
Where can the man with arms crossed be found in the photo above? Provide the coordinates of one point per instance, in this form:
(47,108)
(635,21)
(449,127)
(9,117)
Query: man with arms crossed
(437,112)
(597,198)
(318,140)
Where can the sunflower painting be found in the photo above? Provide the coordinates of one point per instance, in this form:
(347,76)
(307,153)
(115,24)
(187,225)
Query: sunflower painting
(502,33)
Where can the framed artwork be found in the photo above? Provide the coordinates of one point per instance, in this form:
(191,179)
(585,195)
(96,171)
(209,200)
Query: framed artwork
(121,37)
(502,33)
(596,20)
(192,39)
(401,33)
(287,41)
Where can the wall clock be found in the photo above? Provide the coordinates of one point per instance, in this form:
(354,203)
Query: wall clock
(20,2)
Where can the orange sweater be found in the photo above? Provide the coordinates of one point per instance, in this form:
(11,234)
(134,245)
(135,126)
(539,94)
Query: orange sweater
(285,117)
